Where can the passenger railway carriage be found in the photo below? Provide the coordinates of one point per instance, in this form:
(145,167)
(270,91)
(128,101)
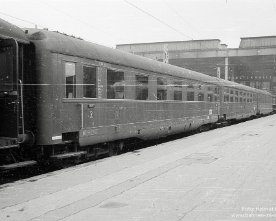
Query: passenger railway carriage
(61,96)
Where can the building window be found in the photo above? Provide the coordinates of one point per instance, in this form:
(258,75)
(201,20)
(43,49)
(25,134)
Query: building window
(142,91)
(226,98)
(161,89)
(70,80)
(190,96)
(89,81)
(115,84)
(254,97)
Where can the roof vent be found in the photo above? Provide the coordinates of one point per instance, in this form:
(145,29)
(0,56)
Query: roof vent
(38,36)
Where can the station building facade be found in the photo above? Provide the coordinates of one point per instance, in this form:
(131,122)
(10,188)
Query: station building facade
(252,64)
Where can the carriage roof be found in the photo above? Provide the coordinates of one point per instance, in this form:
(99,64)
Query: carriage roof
(8,30)
(64,44)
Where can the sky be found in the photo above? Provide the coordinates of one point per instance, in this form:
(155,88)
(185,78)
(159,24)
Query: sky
(112,22)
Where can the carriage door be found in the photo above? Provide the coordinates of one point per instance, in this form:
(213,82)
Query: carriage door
(9,89)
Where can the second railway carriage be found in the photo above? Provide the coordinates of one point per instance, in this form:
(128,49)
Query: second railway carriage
(71,95)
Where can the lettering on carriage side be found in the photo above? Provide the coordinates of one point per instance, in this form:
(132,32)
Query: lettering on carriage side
(100,88)
(57,137)
(117,113)
(89,132)
(91,114)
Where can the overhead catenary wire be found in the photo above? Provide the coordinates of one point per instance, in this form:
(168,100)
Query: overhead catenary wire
(274,7)
(181,17)
(19,19)
(92,27)
(157,19)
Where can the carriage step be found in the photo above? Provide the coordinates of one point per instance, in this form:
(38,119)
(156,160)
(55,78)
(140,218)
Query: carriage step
(68,155)
(18,165)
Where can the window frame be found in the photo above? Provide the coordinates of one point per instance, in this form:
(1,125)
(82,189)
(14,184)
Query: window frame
(161,88)
(110,87)
(141,87)
(96,81)
(177,90)
(74,82)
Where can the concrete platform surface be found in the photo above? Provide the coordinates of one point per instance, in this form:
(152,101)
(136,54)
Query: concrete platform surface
(223,174)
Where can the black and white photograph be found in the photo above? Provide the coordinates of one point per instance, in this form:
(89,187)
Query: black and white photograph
(138,110)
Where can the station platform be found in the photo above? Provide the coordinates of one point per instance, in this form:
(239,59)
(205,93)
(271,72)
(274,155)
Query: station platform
(224,174)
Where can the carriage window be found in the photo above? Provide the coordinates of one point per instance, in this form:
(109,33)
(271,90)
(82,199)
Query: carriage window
(236,93)
(89,81)
(215,98)
(200,97)
(7,81)
(210,97)
(190,96)
(161,89)
(236,99)
(115,84)
(177,95)
(142,87)
(70,80)
(231,99)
